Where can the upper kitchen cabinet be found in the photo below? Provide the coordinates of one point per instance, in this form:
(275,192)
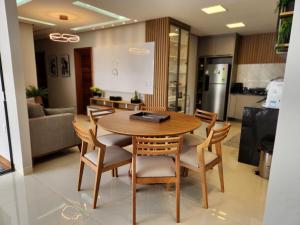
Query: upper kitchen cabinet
(217,45)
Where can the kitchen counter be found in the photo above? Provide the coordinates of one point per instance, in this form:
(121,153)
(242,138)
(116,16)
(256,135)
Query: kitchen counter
(258,123)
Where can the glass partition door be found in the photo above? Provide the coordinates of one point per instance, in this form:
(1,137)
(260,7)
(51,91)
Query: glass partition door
(5,146)
(178,61)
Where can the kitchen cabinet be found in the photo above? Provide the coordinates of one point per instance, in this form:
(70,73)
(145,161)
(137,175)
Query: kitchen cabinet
(237,103)
(178,65)
(217,45)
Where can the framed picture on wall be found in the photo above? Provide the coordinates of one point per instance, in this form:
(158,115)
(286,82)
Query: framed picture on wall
(64,65)
(52,65)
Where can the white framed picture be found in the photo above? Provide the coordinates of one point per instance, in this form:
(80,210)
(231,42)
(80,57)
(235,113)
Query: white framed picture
(52,65)
(64,65)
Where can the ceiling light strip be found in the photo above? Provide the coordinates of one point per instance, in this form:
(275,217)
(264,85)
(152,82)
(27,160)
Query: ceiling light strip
(98,25)
(35,21)
(214,9)
(235,25)
(98,10)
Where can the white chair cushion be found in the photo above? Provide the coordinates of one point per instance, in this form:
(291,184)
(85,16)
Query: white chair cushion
(113,154)
(155,166)
(192,140)
(189,156)
(115,139)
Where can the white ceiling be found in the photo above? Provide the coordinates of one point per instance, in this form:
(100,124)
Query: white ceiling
(258,15)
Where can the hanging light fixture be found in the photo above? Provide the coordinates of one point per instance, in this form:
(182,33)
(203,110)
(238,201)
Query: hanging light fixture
(64,37)
(72,38)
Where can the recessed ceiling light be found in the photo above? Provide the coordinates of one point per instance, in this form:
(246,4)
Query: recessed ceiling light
(112,25)
(35,21)
(214,9)
(135,21)
(235,25)
(22,2)
(98,10)
(124,23)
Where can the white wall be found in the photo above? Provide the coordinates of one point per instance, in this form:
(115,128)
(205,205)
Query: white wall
(28,54)
(283,199)
(259,75)
(192,74)
(62,90)
(15,86)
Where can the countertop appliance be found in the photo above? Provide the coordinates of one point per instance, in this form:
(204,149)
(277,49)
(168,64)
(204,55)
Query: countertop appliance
(215,95)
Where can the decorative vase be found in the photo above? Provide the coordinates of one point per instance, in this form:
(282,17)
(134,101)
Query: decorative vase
(38,100)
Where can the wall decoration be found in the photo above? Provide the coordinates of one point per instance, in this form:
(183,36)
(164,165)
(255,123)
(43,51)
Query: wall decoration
(52,64)
(64,65)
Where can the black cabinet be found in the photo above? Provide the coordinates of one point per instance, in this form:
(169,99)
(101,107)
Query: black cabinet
(257,124)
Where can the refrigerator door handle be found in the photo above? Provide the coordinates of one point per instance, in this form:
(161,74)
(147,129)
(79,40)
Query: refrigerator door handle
(206,83)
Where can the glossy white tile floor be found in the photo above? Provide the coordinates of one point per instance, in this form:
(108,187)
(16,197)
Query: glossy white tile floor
(49,196)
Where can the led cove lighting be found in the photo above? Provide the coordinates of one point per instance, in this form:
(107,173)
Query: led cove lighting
(172,34)
(235,25)
(98,24)
(22,2)
(36,21)
(98,10)
(214,9)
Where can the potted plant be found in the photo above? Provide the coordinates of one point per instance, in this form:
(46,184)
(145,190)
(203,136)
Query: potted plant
(136,98)
(37,93)
(285,5)
(284,30)
(96,92)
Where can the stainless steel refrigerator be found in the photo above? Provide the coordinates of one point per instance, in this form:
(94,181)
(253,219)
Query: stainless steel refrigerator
(215,93)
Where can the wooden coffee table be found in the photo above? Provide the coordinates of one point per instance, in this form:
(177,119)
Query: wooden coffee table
(120,123)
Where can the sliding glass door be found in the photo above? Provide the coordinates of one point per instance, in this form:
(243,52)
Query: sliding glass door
(5,146)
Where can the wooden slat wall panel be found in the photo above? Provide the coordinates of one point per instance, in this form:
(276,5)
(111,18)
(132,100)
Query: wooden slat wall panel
(158,31)
(259,48)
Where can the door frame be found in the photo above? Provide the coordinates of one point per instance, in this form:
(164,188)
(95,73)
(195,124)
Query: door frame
(12,166)
(78,75)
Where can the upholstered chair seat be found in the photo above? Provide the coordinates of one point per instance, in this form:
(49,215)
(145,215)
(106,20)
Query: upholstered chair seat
(189,156)
(190,140)
(115,139)
(113,155)
(155,166)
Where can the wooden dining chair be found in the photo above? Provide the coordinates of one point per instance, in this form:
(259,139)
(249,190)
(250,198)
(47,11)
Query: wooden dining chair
(198,159)
(210,119)
(108,139)
(153,108)
(101,159)
(152,163)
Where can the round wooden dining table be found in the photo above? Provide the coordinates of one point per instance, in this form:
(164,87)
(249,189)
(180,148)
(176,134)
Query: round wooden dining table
(121,123)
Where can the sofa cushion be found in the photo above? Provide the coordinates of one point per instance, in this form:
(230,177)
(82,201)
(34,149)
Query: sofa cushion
(35,110)
(54,111)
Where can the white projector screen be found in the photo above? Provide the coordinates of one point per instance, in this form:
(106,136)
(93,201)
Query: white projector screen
(124,68)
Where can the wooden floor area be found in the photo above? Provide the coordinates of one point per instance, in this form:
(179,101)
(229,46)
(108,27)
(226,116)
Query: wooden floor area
(4,164)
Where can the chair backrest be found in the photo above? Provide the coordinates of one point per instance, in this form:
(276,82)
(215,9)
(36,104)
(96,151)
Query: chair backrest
(157,145)
(153,108)
(220,134)
(96,114)
(86,135)
(207,117)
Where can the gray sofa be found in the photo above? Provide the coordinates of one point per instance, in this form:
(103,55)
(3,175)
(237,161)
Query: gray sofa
(51,130)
